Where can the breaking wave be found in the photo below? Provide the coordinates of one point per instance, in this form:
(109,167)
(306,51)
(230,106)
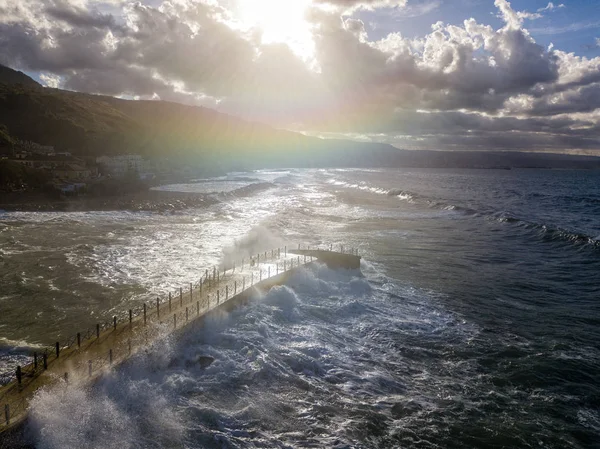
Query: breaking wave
(546,232)
(314,362)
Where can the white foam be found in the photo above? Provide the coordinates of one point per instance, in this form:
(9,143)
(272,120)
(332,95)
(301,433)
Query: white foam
(325,330)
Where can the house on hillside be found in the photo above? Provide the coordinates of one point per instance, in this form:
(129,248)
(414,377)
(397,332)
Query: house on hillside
(71,173)
(51,161)
(124,165)
(36,148)
(71,189)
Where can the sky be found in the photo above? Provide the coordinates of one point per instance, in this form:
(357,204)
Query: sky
(417,74)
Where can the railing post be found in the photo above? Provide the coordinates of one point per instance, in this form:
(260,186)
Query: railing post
(284,266)
(169,302)
(214,274)
(218,296)
(259,275)
(244,283)
(305,258)
(201,287)
(35,361)
(97,331)
(131,315)
(198,308)
(174,321)
(181,296)
(272,253)
(218,277)
(57,349)
(298,264)
(110,357)
(144,314)
(79,339)
(226,292)
(234,288)
(186,314)
(89,368)
(7,414)
(157,309)
(115,322)
(192,292)
(45,360)
(257,259)
(19,374)
(129,345)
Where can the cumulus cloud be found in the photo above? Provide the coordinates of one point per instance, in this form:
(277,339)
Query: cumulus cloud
(350,5)
(472,66)
(50,80)
(551,7)
(459,84)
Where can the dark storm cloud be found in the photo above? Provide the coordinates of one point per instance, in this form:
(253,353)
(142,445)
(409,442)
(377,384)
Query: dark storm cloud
(80,17)
(459,123)
(582,99)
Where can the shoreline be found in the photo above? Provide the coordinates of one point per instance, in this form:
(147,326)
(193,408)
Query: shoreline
(146,201)
(150,201)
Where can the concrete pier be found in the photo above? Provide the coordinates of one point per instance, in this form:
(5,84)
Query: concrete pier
(86,356)
(332,259)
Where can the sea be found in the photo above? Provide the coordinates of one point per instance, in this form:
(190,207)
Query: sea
(473,322)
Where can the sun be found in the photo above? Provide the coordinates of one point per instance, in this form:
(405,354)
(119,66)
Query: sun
(280,21)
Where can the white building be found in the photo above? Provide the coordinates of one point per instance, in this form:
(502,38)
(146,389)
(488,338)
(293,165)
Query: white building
(124,165)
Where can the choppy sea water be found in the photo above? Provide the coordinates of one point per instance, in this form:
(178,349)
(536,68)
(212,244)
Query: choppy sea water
(473,322)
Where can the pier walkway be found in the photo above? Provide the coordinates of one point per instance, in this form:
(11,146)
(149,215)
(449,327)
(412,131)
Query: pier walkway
(87,355)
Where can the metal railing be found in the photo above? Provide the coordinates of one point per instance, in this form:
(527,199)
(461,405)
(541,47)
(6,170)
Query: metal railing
(172,311)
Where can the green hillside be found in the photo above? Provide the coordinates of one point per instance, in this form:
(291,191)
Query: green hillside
(92,125)
(5,138)
(10,76)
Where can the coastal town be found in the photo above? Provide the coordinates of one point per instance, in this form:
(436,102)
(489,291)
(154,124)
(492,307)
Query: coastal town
(36,177)
(67,174)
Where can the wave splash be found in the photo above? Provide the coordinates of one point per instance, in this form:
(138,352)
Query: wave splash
(311,362)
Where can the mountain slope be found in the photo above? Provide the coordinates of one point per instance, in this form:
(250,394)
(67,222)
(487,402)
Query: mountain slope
(92,125)
(10,76)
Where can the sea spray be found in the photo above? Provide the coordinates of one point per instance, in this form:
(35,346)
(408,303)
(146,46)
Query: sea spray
(129,406)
